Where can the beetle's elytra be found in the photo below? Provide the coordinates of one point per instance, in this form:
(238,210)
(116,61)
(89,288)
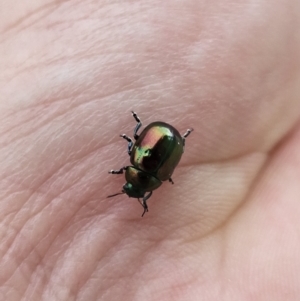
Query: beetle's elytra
(154,155)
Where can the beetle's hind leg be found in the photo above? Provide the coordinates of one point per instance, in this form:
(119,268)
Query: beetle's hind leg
(185,135)
(130,143)
(188,131)
(144,202)
(171,181)
(118,172)
(138,126)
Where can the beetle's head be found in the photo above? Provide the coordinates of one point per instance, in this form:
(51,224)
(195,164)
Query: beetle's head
(132,191)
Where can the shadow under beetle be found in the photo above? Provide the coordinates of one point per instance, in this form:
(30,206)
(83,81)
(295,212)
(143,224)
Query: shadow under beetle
(154,155)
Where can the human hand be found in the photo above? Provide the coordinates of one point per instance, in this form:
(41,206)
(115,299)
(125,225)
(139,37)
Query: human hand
(228,229)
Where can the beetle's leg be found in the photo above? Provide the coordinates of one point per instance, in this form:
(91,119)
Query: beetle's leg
(130,143)
(117,172)
(137,127)
(144,202)
(188,131)
(171,181)
(144,206)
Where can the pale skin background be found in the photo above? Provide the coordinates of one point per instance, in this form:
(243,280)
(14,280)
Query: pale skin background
(71,72)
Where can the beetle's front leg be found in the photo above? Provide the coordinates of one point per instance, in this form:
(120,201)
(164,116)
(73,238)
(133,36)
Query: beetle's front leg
(118,172)
(130,143)
(137,127)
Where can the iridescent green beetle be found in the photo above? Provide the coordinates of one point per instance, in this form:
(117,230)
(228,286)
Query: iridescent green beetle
(154,156)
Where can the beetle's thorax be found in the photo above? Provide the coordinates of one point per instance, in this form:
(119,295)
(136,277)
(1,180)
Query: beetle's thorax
(139,182)
(133,191)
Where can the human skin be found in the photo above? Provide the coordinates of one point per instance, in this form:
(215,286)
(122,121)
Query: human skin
(71,72)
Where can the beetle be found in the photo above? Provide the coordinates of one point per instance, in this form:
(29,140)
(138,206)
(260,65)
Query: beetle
(154,155)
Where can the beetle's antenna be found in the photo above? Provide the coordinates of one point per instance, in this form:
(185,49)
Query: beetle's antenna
(110,196)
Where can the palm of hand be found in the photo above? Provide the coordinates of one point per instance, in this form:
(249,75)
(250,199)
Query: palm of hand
(229,227)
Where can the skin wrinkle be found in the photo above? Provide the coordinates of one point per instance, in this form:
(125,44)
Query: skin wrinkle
(97,30)
(77,56)
(132,274)
(46,102)
(185,273)
(52,199)
(50,269)
(38,265)
(103,254)
(35,119)
(32,286)
(154,245)
(73,155)
(34,214)
(54,196)
(89,16)
(287,129)
(32,250)
(5,211)
(41,126)
(285,139)
(20,273)
(15,233)
(86,53)
(22,265)
(67,222)
(104,96)
(46,9)
(70,219)
(234,211)
(115,282)
(110,288)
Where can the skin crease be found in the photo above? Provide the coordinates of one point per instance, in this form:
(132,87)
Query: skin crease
(71,72)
